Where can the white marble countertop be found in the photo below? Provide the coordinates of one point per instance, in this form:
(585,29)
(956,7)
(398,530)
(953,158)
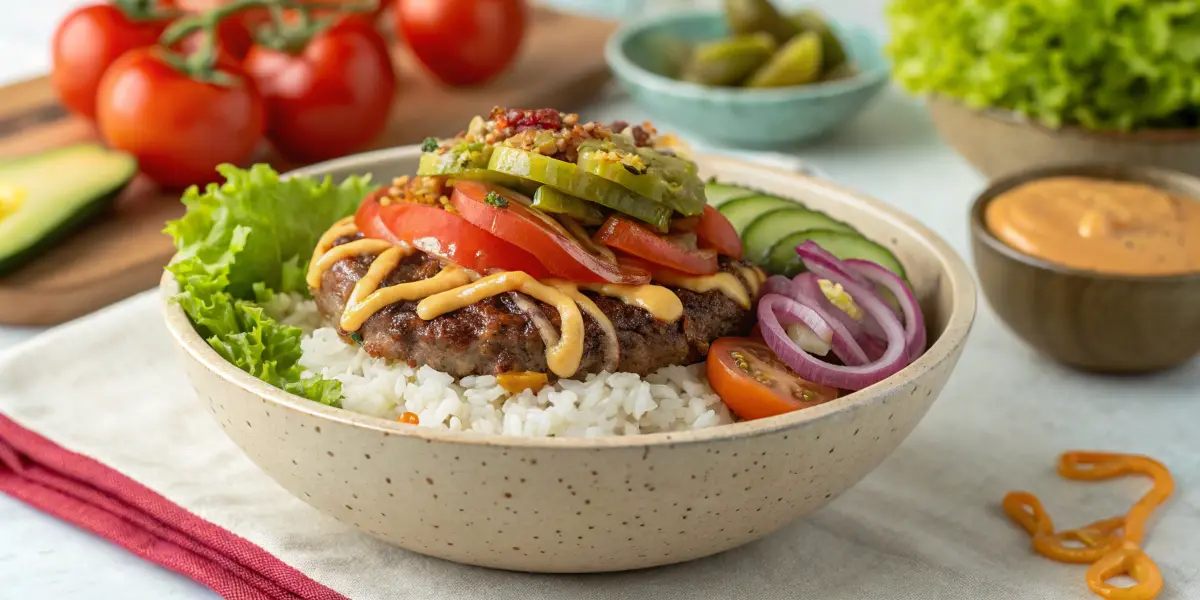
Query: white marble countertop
(891,152)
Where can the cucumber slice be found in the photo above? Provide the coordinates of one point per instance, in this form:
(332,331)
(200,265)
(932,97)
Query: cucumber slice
(720,193)
(742,211)
(842,244)
(764,232)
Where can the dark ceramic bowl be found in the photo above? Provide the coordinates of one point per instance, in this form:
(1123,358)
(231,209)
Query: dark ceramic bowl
(1088,320)
(1000,143)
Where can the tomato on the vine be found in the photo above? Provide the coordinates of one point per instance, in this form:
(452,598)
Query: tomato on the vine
(462,42)
(328,92)
(179,126)
(233,38)
(89,39)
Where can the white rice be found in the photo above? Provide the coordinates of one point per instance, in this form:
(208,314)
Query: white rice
(676,398)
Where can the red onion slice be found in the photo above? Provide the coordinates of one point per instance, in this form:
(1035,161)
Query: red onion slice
(914,320)
(820,261)
(846,343)
(807,288)
(809,367)
(778,284)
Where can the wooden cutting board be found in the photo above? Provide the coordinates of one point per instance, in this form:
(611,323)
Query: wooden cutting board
(122,253)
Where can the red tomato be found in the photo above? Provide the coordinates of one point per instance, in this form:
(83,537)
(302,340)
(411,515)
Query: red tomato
(445,235)
(233,38)
(332,97)
(179,128)
(462,42)
(716,232)
(86,43)
(755,384)
(541,236)
(627,236)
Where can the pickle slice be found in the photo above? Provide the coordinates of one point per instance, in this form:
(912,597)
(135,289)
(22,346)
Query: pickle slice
(433,165)
(729,61)
(568,178)
(833,55)
(797,63)
(667,179)
(451,163)
(754,16)
(552,200)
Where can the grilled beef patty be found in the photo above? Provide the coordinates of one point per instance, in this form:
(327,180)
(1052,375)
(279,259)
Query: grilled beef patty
(495,336)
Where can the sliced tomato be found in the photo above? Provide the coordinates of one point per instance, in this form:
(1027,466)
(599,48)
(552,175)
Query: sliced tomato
(625,235)
(507,216)
(716,232)
(446,235)
(755,384)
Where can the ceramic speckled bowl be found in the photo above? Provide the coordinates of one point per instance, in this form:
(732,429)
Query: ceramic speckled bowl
(746,118)
(601,504)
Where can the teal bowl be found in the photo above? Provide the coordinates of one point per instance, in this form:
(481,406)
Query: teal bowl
(639,55)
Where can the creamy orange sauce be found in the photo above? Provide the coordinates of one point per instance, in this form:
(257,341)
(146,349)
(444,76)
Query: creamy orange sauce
(660,302)
(1099,225)
(454,288)
(728,283)
(562,358)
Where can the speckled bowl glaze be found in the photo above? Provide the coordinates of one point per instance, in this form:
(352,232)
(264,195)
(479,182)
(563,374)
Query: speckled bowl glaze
(599,504)
(745,118)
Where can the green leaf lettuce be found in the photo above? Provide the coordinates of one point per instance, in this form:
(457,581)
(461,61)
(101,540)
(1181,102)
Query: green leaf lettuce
(240,243)
(1102,64)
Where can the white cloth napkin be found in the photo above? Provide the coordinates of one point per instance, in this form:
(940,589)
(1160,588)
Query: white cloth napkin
(925,525)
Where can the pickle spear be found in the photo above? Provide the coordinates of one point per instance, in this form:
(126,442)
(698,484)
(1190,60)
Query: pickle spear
(568,178)
(753,16)
(667,179)
(552,200)
(797,63)
(833,55)
(730,61)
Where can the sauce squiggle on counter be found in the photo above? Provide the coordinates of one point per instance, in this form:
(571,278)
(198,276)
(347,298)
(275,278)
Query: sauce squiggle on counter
(454,288)
(1115,227)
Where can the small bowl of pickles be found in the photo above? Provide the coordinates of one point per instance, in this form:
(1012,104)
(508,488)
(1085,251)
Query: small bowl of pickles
(749,76)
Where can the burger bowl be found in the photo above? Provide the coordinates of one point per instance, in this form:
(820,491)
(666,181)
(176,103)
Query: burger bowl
(571,505)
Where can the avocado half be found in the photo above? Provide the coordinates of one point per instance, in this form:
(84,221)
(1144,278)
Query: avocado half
(47,196)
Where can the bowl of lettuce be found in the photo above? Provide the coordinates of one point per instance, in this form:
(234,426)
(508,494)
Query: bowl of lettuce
(1014,84)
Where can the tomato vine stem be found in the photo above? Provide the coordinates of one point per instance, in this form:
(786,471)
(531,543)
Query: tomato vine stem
(146,10)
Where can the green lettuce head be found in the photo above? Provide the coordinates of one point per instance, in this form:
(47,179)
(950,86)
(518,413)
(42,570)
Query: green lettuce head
(1102,64)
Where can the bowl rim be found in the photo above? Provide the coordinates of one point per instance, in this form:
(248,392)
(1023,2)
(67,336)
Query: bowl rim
(618,60)
(1143,174)
(1011,117)
(955,274)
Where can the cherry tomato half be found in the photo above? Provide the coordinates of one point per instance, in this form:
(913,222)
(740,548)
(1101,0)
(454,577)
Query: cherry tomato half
(332,97)
(443,234)
(462,42)
(179,128)
(632,238)
(539,235)
(86,43)
(755,384)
